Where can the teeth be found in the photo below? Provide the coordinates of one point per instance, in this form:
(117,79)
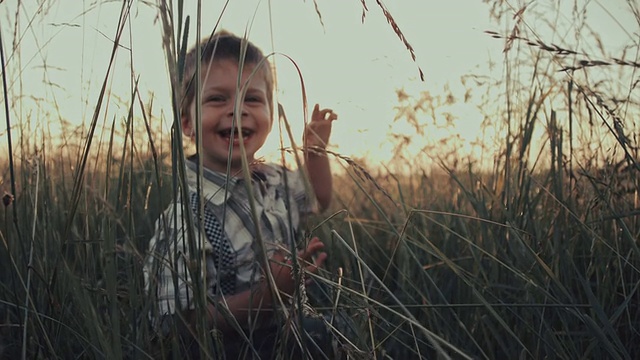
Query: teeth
(227,133)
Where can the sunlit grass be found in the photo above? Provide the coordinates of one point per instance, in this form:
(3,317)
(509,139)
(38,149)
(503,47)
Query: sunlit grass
(534,257)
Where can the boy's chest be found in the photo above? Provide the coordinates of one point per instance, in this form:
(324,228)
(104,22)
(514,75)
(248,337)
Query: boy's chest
(271,198)
(276,213)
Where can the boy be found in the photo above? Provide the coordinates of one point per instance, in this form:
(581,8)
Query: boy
(237,285)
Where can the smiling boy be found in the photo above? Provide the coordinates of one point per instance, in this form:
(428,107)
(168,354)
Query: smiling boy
(232,271)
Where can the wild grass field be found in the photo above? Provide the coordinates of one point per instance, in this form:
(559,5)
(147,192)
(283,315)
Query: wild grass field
(431,256)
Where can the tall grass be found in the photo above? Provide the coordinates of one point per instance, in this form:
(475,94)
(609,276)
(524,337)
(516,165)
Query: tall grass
(534,257)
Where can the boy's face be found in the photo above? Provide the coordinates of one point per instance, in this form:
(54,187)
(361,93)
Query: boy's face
(218,100)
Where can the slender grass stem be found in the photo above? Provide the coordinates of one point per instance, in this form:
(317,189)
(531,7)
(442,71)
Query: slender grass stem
(30,266)
(7,114)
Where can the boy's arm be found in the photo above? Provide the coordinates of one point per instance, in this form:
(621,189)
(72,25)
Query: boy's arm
(316,137)
(258,301)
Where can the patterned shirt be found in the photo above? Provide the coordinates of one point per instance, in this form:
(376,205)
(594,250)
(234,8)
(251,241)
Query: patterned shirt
(229,247)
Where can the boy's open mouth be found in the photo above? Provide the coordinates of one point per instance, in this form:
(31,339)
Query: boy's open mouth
(226,134)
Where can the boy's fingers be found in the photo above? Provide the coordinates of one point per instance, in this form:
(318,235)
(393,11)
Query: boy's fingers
(332,116)
(312,248)
(325,112)
(319,261)
(318,114)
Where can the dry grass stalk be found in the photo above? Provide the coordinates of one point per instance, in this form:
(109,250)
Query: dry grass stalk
(364,10)
(317,9)
(358,169)
(515,31)
(560,51)
(398,32)
(537,43)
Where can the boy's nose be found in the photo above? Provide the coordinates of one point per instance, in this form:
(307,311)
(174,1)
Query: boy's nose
(242,108)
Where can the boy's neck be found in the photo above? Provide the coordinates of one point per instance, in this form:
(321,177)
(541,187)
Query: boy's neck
(254,168)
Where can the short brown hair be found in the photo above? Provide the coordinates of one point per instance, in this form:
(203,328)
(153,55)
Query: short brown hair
(222,46)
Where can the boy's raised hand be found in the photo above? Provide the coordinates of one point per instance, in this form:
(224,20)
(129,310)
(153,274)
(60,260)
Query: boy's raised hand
(318,130)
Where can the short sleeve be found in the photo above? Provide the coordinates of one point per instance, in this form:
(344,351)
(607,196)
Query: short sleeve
(305,201)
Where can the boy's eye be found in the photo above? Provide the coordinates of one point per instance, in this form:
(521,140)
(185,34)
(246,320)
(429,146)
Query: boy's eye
(215,98)
(252,98)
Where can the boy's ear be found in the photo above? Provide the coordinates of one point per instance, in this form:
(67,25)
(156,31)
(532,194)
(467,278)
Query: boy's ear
(187,127)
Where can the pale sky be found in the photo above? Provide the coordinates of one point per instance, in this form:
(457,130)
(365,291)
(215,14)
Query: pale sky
(353,67)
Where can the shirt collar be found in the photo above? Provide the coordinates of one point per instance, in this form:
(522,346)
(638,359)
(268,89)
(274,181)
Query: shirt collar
(216,182)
